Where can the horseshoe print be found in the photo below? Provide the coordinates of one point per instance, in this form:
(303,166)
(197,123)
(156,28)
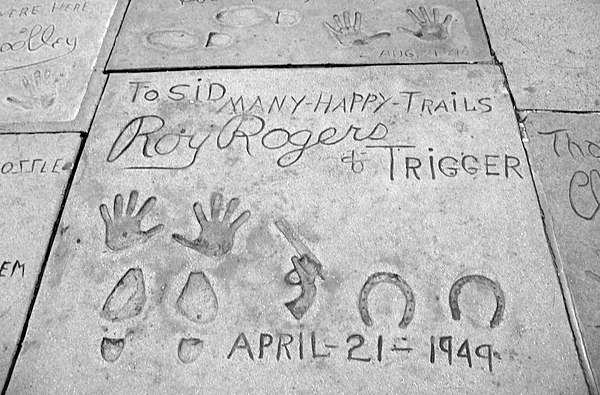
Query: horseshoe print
(391,278)
(494,286)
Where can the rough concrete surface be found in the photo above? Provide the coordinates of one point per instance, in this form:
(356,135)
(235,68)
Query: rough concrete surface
(565,151)
(163,34)
(550,51)
(299,196)
(34,171)
(48,50)
(334,230)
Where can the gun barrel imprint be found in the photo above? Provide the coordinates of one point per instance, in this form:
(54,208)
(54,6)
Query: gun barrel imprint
(301,248)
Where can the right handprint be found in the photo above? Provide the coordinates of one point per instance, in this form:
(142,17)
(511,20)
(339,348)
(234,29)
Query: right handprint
(217,235)
(430,29)
(350,33)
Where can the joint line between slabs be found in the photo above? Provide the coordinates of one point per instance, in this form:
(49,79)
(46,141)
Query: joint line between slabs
(43,265)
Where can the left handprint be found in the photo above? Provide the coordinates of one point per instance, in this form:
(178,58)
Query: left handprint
(351,34)
(123,231)
(40,91)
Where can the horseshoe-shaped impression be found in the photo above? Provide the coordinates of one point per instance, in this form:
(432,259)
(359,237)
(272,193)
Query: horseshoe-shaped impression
(494,286)
(391,278)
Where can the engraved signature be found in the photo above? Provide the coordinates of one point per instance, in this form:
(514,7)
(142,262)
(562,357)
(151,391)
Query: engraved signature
(245,130)
(35,39)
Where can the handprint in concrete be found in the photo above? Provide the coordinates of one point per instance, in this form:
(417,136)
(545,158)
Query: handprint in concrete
(40,91)
(430,27)
(217,236)
(124,230)
(350,34)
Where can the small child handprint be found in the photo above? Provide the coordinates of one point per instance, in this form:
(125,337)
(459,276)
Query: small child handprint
(123,231)
(217,236)
(40,91)
(351,34)
(430,30)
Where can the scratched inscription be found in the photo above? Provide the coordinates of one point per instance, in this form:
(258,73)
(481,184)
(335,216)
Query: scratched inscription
(331,226)
(43,44)
(583,187)
(39,41)
(565,152)
(359,348)
(246,121)
(34,172)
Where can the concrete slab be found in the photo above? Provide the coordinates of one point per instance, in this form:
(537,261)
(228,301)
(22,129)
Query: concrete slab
(34,171)
(48,51)
(549,50)
(165,34)
(299,231)
(565,151)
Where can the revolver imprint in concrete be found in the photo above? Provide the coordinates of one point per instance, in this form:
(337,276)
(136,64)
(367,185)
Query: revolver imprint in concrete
(198,301)
(189,350)
(307,274)
(128,297)
(304,274)
(217,235)
(410,171)
(301,248)
(123,231)
(297,33)
(390,278)
(564,151)
(476,278)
